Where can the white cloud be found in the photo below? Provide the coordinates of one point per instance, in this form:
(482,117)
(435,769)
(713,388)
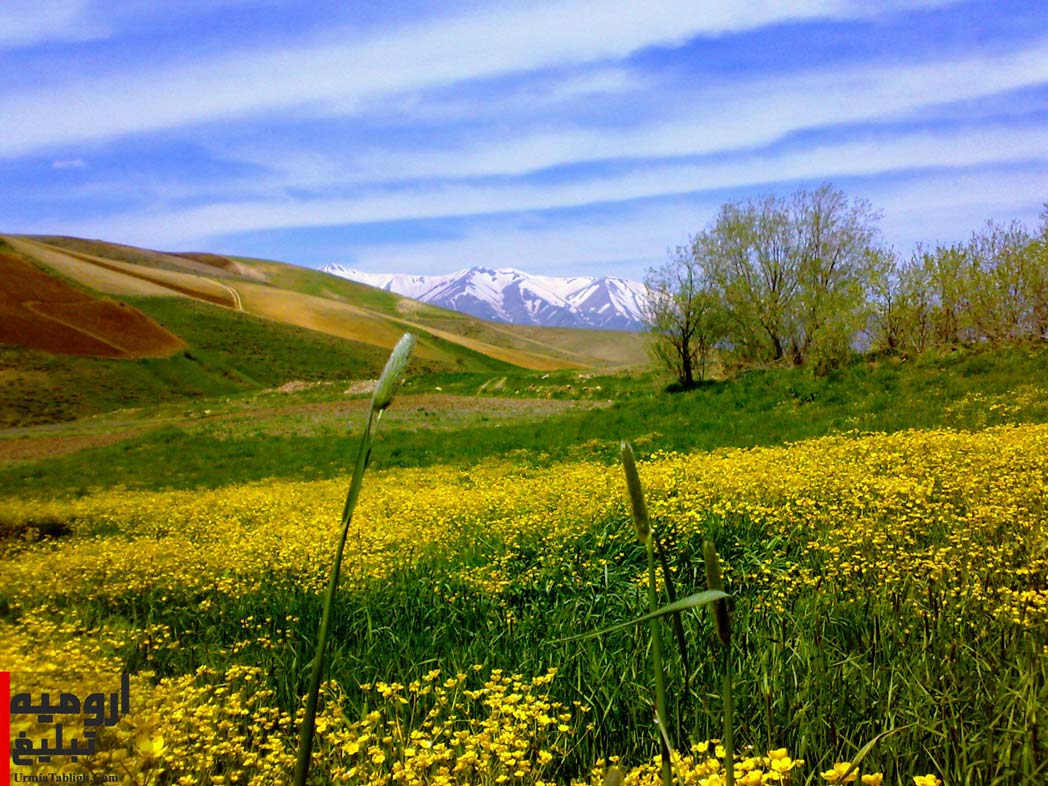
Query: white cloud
(928,208)
(943,208)
(744,114)
(626,245)
(962,149)
(29,22)
(69,163)
(491,42)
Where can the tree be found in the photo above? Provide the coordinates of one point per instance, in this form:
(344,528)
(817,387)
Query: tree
(1037,280)
(1003,281)
(902,306)
(887,302)
(794,275)
(684,314)
(746,255)
(805,280)
(837,261)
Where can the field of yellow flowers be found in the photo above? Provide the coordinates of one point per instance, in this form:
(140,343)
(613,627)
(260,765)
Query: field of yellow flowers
(879,582)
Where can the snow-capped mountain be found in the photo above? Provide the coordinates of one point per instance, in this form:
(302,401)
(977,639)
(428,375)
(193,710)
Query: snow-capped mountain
(508,295)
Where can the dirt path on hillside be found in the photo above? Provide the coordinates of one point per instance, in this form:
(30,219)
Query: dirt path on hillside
(37,448)
(238,305)
(268,414)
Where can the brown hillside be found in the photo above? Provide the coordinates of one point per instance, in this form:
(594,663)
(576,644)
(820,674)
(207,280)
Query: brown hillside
(216,261)
(116,251)
(98,273)
(316,301)
(41,312)
(192,262)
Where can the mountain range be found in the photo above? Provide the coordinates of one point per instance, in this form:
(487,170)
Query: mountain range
(515,297)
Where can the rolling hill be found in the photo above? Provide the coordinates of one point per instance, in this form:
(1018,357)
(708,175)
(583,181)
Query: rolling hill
(43,312)
(92,325)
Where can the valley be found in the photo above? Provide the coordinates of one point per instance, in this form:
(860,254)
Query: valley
(174,517)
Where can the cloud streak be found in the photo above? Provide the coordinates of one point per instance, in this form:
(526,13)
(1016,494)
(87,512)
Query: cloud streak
(875,154)
(568,133)
(628,242)
(745,114)
(26,23)
(318,77)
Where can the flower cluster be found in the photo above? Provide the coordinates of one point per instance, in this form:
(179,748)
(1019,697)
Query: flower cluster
(946,524)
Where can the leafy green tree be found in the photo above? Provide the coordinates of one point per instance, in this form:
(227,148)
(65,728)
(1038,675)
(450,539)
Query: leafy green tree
(794,275)
(886,324)
(1036,279)
(838,258)
(997,281)
(916,308)
(684,314)
(747,255)
(993,288)
(946,277)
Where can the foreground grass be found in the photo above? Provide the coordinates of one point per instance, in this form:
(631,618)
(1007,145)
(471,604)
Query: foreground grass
(880,582)
(965,389)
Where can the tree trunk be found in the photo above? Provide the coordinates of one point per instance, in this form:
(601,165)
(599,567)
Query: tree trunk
(687,375)
(776,344)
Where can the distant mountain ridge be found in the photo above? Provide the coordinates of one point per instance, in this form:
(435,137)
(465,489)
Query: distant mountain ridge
(509,295)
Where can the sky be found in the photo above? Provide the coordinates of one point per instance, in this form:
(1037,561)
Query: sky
(582,137)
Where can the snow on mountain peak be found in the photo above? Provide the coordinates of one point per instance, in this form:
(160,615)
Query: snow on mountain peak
(509,295)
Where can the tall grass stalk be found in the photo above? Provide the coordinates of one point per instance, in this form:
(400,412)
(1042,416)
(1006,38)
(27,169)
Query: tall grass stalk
(644,533)
(385,389)
(715,581)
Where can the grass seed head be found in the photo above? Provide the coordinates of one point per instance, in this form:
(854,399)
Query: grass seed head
(391,374)
(715,581)
(640,509)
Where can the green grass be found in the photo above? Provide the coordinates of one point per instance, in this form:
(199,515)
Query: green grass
(964,389)
(829,672)
(259,351)
(228,352)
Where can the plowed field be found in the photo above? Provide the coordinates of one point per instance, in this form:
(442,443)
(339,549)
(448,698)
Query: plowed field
(42,312)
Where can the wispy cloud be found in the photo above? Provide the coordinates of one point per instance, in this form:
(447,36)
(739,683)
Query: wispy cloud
(624,243)
(565,135)
(870,154)
(745,113)
(25,23)
(628,242)
(318,77)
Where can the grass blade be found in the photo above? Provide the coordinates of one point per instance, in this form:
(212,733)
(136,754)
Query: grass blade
(696,600)
(865,750)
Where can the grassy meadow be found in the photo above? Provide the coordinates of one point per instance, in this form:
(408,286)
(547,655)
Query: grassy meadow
(882,531)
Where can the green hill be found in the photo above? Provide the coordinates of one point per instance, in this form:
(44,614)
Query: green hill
(241,325)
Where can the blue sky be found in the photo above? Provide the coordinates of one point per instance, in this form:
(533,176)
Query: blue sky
(574,137)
